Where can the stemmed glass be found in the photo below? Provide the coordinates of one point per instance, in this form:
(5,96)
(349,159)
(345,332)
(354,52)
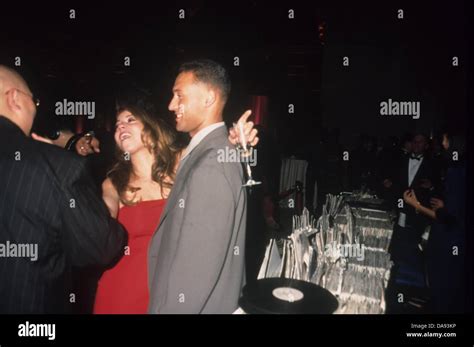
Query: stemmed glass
(247,152)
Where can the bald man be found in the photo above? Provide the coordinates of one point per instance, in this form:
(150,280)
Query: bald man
(51,219)
(16,100)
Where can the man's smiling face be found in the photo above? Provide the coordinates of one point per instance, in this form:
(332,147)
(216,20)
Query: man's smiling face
(189,103)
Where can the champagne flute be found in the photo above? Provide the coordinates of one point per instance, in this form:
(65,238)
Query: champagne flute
(243,142)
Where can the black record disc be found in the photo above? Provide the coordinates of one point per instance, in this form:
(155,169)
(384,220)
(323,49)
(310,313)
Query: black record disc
(286,296)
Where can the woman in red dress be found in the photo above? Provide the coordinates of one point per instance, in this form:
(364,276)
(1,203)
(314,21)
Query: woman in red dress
(135,192)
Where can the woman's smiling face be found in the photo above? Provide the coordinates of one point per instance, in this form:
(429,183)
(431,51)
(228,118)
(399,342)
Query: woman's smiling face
(128,132)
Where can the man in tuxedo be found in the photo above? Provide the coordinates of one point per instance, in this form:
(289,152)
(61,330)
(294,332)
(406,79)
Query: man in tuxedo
(48,206)
(196,257)
(389,163)
(420,174)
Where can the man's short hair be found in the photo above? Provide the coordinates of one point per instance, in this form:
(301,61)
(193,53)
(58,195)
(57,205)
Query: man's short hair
(210,72)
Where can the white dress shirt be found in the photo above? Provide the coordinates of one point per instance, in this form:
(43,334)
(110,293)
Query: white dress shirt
(197,138)
(413,166)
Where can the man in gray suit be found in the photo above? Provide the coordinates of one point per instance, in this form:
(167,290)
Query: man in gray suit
(196,256)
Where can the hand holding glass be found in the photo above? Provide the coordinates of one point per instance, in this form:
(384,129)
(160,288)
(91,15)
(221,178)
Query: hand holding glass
(243,142)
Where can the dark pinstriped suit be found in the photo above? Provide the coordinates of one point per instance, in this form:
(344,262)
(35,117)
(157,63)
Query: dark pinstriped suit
(36,208)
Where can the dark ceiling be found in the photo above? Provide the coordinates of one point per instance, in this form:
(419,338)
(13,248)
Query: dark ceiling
(84,57)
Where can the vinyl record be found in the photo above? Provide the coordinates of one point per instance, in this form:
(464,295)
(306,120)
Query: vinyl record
(286,296)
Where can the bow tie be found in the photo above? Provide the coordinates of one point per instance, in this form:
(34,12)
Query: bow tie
(416,157)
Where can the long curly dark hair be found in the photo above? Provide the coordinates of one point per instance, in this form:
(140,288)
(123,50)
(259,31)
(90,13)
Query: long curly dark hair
(161,140)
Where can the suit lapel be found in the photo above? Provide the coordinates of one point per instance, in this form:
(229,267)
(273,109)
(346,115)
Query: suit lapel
(183,171)
(406,175)
(175,192)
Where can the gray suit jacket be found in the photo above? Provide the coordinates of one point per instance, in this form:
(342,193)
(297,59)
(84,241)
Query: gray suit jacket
(196,256)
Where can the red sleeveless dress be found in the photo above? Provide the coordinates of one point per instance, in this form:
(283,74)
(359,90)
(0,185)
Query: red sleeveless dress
(123,289)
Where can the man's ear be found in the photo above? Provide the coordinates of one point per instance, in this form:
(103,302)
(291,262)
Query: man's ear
(13,100)
(211,97)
